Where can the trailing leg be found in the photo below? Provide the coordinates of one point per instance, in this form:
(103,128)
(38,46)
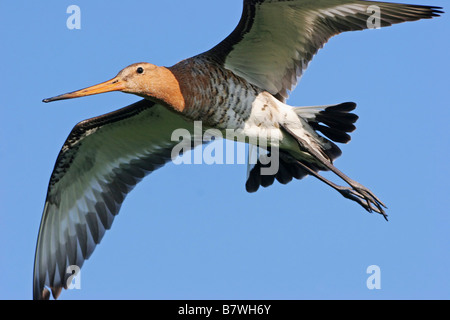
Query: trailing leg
(357,192)
(361,196)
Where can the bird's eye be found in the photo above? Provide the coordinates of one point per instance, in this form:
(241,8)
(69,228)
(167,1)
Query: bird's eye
(140,70)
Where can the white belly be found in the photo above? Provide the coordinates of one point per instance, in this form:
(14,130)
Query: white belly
(262,128)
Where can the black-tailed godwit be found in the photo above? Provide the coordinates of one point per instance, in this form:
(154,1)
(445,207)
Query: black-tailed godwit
(240,84)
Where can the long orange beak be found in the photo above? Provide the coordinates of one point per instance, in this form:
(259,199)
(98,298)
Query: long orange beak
(115,84)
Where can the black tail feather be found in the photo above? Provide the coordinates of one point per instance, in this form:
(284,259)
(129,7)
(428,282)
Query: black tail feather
(332,133)
(336,122)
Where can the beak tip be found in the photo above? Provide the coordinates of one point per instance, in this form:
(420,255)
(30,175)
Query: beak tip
(107,86)
(61,97)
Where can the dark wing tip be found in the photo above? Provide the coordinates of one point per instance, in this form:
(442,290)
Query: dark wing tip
(287,171)
(437,11)
(56,291)
(254,180)
(45,295)
(429,11)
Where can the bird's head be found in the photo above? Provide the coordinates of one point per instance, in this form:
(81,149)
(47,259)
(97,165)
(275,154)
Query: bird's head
(142,79)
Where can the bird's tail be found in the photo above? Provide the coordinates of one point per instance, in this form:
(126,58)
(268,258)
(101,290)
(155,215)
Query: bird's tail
(334,122)
(318,153)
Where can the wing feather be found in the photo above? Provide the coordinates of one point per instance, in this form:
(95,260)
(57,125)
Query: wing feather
(101,161)
(276,39)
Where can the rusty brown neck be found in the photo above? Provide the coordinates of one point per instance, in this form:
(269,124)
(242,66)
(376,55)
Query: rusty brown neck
(168,90)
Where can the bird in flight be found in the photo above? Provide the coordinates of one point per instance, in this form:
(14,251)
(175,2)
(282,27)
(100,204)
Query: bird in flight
(241,84)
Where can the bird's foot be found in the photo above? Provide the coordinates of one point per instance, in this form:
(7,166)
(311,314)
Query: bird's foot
(365,198)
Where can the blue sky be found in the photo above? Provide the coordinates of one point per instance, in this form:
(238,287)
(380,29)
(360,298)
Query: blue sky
(192,232)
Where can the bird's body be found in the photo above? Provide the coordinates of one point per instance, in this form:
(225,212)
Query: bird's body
(214,95)
(241,85)
(222,100)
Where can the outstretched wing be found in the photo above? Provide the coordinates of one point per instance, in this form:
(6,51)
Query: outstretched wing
(101,161)
(276,39)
